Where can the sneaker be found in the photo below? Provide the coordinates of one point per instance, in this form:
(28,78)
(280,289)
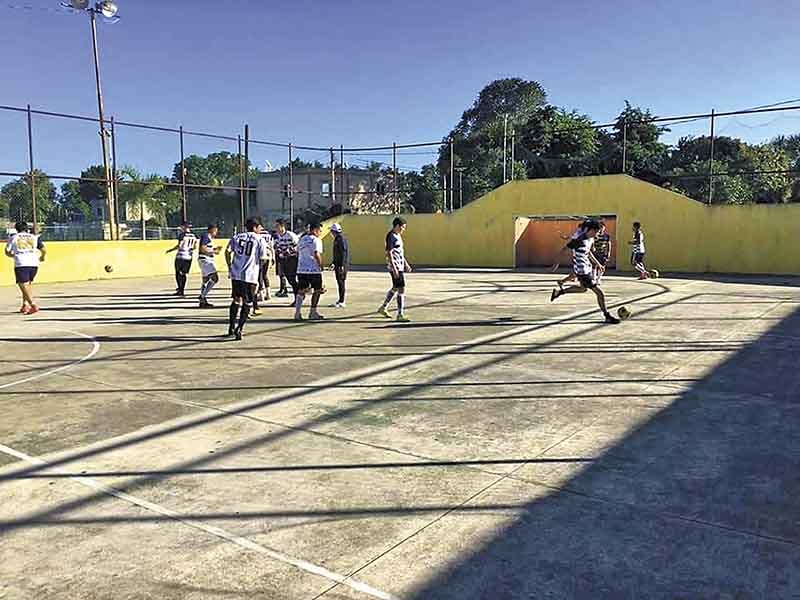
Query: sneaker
(298,317)
(230,331)
(315,316)
(555,294)
(24,309)
(612,319)
(206,304)
(403,319)
(179,294)
(32,310)
(238,335)
(255,312)
(338,305)
(282,294)
(384,313)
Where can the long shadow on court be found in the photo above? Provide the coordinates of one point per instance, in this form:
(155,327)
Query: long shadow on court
(704,504)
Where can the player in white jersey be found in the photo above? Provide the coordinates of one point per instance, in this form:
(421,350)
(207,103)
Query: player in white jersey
(245,255)
(398,266)
(584,264)
(309,272)
(187,242)
(206,251)
(262,289)
(28,251)
(638,251)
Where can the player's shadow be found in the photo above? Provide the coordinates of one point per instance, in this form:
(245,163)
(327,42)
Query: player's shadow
(701,501)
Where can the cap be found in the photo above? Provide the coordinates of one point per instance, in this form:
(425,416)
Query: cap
(336,228)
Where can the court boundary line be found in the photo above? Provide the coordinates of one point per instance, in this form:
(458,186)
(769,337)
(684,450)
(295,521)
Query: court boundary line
(240,541)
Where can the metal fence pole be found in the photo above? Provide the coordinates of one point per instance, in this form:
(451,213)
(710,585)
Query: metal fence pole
(345,195)
(333,179)
(505,145)
(394,177)
(31,174)
(247,163)
(114,182)
(711,163)
(624,144)
(241,181)
(513,144)
(444,193)
(184,210)
(291,187)
(452,169)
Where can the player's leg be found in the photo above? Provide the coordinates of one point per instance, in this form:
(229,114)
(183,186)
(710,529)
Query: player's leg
(248,290)
(601,302)
(341,277)
(291,275)
(21,277)
(254,299)
(178,276)
(280,271)
(183,269)
(401,304)
(300,290)
(316,284)
(237,299)
(573,289)
(389,295)
(265,279)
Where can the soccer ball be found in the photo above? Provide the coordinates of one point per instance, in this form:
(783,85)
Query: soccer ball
(109,268)
(654,273)
(623,313)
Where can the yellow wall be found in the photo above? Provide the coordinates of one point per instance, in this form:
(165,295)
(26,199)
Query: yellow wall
(681,234)
(80,261)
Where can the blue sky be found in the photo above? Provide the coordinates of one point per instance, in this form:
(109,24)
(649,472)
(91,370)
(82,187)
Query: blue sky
(372,72)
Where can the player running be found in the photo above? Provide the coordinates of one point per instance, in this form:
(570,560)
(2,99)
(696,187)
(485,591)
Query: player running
(638,251)
(205,260)
(398,266)
(309,273)
(245,255)
(286,253)
(582,265)
(28,251)
(187,242)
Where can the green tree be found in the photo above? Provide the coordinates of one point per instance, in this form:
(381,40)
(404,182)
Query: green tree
(92,184)
(423,189)
(634,130)
(70,203)
(153,194)
(16,197)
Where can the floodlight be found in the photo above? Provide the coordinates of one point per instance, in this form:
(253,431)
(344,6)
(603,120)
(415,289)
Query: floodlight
(107,8)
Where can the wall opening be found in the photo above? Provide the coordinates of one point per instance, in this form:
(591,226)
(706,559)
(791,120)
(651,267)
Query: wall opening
(538,240)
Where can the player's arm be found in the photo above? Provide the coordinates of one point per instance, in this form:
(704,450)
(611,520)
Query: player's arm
(594,261)
(42,250)
(173,249)
(9,251)
(407,266)
(228,254)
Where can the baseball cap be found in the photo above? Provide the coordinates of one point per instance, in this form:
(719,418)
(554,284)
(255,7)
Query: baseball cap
(336,228)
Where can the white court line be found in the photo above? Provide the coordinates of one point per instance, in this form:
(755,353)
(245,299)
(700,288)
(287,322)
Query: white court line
(95,349)
(211,529)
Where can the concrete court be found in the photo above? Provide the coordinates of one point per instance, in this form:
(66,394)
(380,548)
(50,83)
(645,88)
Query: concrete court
(497,447)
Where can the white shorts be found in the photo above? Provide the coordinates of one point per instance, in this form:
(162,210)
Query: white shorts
(207,267)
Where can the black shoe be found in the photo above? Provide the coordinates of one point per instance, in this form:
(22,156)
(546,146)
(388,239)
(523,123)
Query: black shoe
(282,294)
(230,331)
(612,319)
(238,334)
(206,305)
(555,294)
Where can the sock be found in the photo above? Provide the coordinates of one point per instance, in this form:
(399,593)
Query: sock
(389,296)
(204,289)
(401,304)
(232,315)
(298,303)
(209,286)
(243,316)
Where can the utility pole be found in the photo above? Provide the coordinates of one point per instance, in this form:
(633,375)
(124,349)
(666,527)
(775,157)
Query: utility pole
(505,145)
(711,163)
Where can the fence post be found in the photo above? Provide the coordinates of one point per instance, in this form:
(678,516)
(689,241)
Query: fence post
(291,190)
(346,197)
(114,182)
(333,180)
(31,175)
(241,181)
(711,163)
(624,144)
(394,177)
(247,163)
(444,193)
(452,172)
(505,146)
(513,143)
(184,211)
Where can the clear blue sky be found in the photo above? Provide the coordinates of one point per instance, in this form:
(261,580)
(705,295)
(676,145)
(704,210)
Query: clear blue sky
(371,72)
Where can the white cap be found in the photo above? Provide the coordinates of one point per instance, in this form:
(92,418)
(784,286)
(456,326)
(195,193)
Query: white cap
(336,228)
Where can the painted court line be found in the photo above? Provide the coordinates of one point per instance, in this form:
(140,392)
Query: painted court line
(211,529)
(95,349)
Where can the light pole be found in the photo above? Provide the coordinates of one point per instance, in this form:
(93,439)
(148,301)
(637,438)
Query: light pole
(107,9)
(460,171)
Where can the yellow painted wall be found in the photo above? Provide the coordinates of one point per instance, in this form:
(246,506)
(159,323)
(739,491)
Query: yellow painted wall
(681,234)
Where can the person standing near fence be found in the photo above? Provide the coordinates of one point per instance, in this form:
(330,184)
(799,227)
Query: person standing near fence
(187,242)
(27,250)
(341,262)
(286,250)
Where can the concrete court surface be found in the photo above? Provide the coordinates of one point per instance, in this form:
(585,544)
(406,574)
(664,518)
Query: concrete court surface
(498,447)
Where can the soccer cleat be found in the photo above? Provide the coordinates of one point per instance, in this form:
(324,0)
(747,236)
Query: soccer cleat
(403,319)
(612,319)
(315,316)
(32,310)
(384,313)
(23,309)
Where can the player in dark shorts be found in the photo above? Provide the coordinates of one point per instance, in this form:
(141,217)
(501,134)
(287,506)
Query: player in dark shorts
(398,266)
(309,272)
(582,263)
(602,252)
(245,254)
(186,243)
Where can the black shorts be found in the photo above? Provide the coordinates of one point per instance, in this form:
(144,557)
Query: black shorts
(25,274)
(182,265)
(242,289)
(637,257)
(602,259)
(587,281)
(398,281)
(307,281)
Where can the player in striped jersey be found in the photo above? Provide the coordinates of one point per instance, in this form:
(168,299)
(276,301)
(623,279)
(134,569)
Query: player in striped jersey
(205,260)
(583,263)
(263,293)
(638,251)
(398,266)
(245,256)
(286,253)
(601,251)
(187,242)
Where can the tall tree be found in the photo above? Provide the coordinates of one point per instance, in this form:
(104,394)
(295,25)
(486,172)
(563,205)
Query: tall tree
(151,194)
(70,204)
(18,199)
(635,133)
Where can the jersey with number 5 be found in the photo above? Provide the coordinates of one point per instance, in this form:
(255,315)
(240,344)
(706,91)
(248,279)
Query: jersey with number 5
(247,248)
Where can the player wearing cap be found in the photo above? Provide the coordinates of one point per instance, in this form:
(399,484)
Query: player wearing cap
(187,242)
(341,262)
(309,272)
(28,251)
(205,260)
(398,266)
(245,255)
